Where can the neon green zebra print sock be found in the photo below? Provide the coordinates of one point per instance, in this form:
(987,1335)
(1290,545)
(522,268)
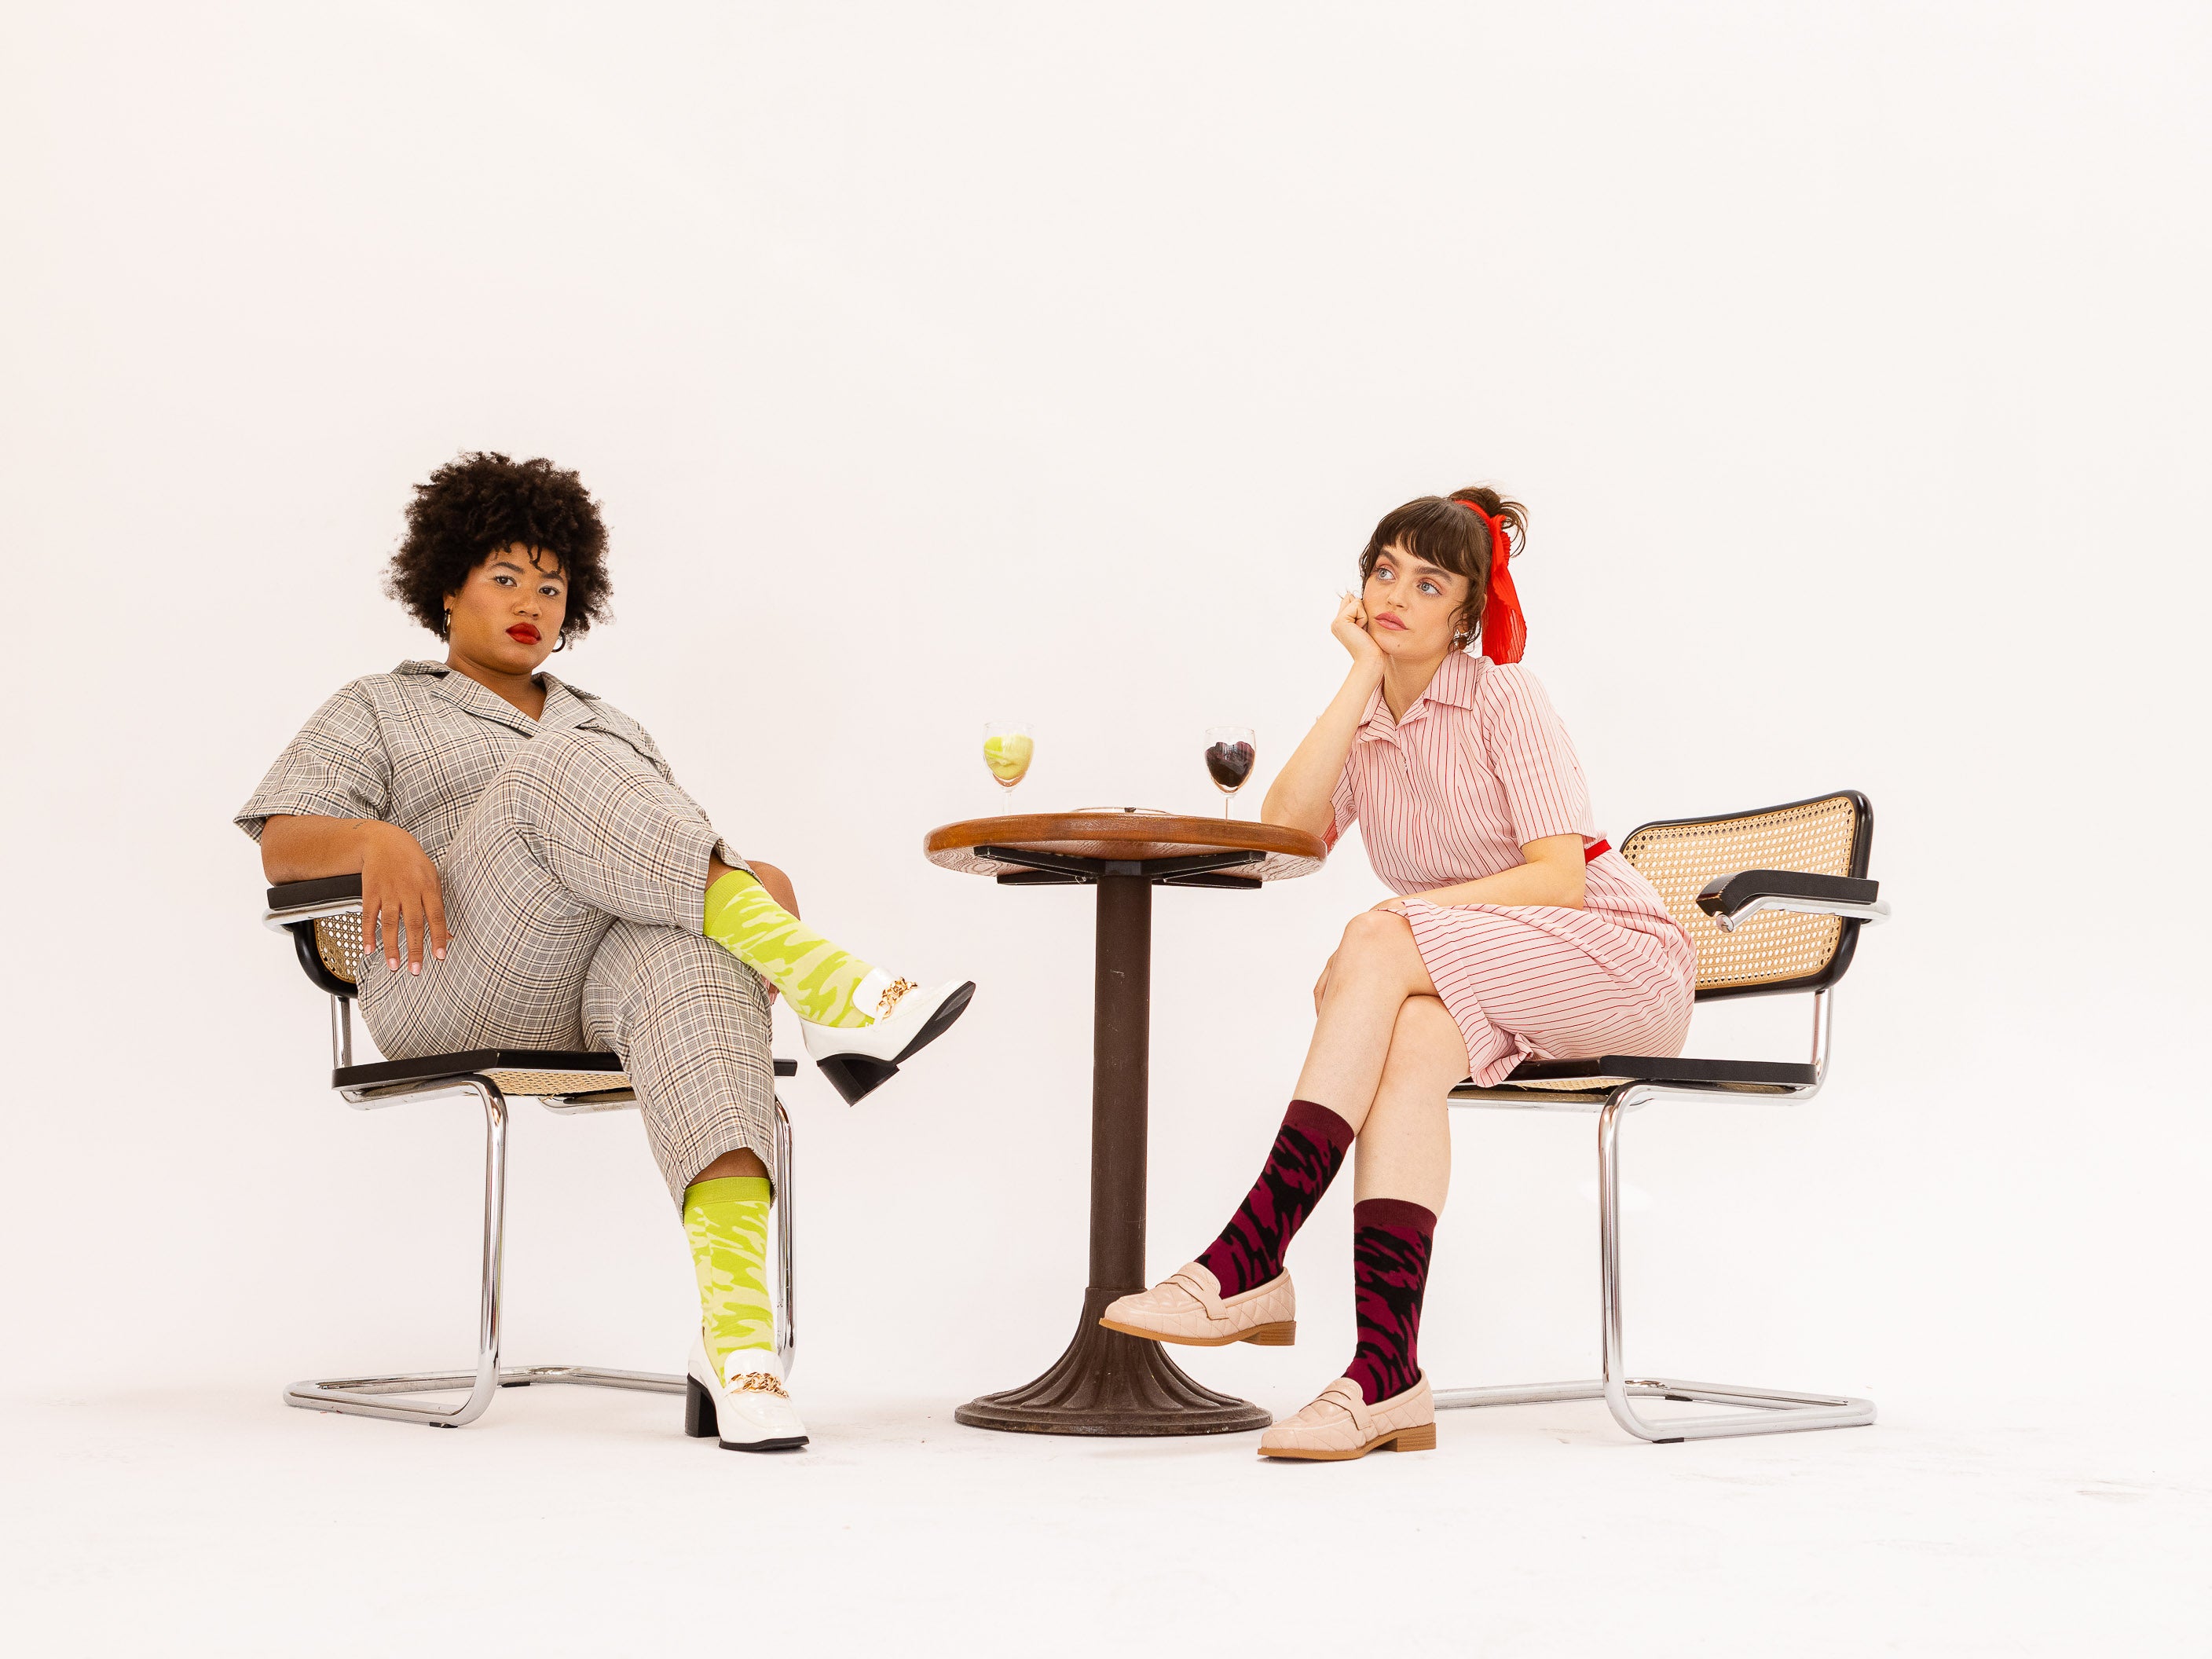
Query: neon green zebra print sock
(825,984)
(727,1221)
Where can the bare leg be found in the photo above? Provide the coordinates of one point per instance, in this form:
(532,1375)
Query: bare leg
(742,1162)
(1404,1146)
(778,883)
(1364,1024)
(1374,970)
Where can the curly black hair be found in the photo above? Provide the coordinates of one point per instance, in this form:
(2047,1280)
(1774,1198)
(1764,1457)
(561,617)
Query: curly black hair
(481,501)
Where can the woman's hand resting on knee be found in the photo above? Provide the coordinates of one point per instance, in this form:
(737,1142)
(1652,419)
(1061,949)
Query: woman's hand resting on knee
(399,884)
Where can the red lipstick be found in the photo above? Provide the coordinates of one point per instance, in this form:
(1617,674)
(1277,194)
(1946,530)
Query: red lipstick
(524,632)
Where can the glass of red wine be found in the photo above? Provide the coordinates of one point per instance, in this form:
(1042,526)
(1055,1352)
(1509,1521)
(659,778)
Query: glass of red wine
(1228,757)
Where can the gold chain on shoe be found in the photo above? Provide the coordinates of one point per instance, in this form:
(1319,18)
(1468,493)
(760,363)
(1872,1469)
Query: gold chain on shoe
(760,1383)
(889,999)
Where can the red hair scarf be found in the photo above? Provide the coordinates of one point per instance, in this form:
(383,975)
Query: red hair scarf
(1504,630)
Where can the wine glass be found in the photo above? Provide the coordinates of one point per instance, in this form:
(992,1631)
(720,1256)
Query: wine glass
(1228,757)
(1008,748)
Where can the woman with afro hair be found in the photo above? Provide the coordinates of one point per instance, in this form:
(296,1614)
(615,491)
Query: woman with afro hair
(533,877)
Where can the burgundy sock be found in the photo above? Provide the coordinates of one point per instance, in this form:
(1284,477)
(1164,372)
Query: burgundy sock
(1308,1150)
(1390,1241)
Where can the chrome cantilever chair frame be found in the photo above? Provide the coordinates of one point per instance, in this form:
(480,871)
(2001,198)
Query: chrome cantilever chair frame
(1729,901)
(477,1074)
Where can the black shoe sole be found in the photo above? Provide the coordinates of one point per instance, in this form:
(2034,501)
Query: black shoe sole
(855,1076)
(700,1423)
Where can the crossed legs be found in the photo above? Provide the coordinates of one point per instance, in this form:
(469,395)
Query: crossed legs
(1404,1146)
(1384,1055)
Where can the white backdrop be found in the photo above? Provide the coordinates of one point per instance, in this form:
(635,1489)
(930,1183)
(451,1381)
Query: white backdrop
(935,364)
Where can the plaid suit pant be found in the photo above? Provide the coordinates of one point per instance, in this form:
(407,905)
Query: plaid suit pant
(574,892)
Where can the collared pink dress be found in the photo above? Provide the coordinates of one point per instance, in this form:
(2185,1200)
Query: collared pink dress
(1479,767)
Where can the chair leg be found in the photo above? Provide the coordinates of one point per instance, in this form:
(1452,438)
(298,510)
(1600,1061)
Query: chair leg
(787,1339)
(1771,1411)
(368,1397)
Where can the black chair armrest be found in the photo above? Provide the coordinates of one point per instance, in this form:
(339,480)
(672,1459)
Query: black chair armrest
(307,895)
(1731,899)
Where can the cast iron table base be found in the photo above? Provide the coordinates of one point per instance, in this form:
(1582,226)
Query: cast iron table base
(1106,1382)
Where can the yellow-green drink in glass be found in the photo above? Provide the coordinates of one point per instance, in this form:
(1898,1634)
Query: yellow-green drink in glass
(1008,748)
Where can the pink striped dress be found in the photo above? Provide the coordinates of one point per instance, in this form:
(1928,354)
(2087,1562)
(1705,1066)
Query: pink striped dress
(1479,767)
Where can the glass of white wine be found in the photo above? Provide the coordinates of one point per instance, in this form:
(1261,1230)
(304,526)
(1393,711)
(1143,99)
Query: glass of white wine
(1008,748)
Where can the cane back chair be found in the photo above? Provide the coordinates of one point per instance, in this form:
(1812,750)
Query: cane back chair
(1800,870)
(324,919)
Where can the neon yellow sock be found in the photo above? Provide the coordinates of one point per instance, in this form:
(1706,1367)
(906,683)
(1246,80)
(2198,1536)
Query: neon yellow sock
(727,1221)
(822,981)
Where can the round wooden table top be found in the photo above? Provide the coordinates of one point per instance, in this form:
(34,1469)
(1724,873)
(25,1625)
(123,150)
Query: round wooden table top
(1124,833)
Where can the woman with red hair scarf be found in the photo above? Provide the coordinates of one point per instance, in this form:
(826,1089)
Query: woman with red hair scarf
(1517,934)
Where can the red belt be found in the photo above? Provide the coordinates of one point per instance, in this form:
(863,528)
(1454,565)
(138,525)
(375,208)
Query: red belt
(1596,850)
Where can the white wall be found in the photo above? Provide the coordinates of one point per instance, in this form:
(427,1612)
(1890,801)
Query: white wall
(941,363)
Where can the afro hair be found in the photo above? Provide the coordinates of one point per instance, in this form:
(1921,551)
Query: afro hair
(480,502)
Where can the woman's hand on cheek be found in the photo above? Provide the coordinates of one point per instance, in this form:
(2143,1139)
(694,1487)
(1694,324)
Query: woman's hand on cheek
(1350,628)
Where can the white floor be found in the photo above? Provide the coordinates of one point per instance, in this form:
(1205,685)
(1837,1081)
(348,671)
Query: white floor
(581,1520)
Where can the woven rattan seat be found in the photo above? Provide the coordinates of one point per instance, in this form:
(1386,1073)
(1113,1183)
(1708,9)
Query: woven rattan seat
(541,1072)
(1599,1077)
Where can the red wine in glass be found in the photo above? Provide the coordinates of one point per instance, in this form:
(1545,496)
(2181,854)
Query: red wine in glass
(1228,757)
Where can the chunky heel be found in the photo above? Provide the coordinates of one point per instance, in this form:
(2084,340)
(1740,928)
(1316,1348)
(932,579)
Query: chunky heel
(860,1060)
(1282,1335)
(699,1412)
(1423,1438)
(855,1076)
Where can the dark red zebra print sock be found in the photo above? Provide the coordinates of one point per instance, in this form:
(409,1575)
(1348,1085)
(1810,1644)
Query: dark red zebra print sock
(1308,1150)
(1390,1241)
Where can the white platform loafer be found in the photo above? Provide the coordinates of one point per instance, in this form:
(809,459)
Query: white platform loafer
(859,1060)
(748,1411)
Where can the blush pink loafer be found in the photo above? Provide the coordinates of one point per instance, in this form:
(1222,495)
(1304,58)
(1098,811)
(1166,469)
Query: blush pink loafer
(1188,1307)
(1339,1424)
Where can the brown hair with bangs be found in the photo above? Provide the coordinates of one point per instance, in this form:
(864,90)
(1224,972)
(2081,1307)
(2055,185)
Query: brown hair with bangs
(1452,538)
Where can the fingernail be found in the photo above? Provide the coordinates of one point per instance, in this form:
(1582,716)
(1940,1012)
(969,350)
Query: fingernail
(415,968)
(439,954)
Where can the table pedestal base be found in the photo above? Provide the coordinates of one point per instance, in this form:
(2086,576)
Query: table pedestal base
(1109,1383)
